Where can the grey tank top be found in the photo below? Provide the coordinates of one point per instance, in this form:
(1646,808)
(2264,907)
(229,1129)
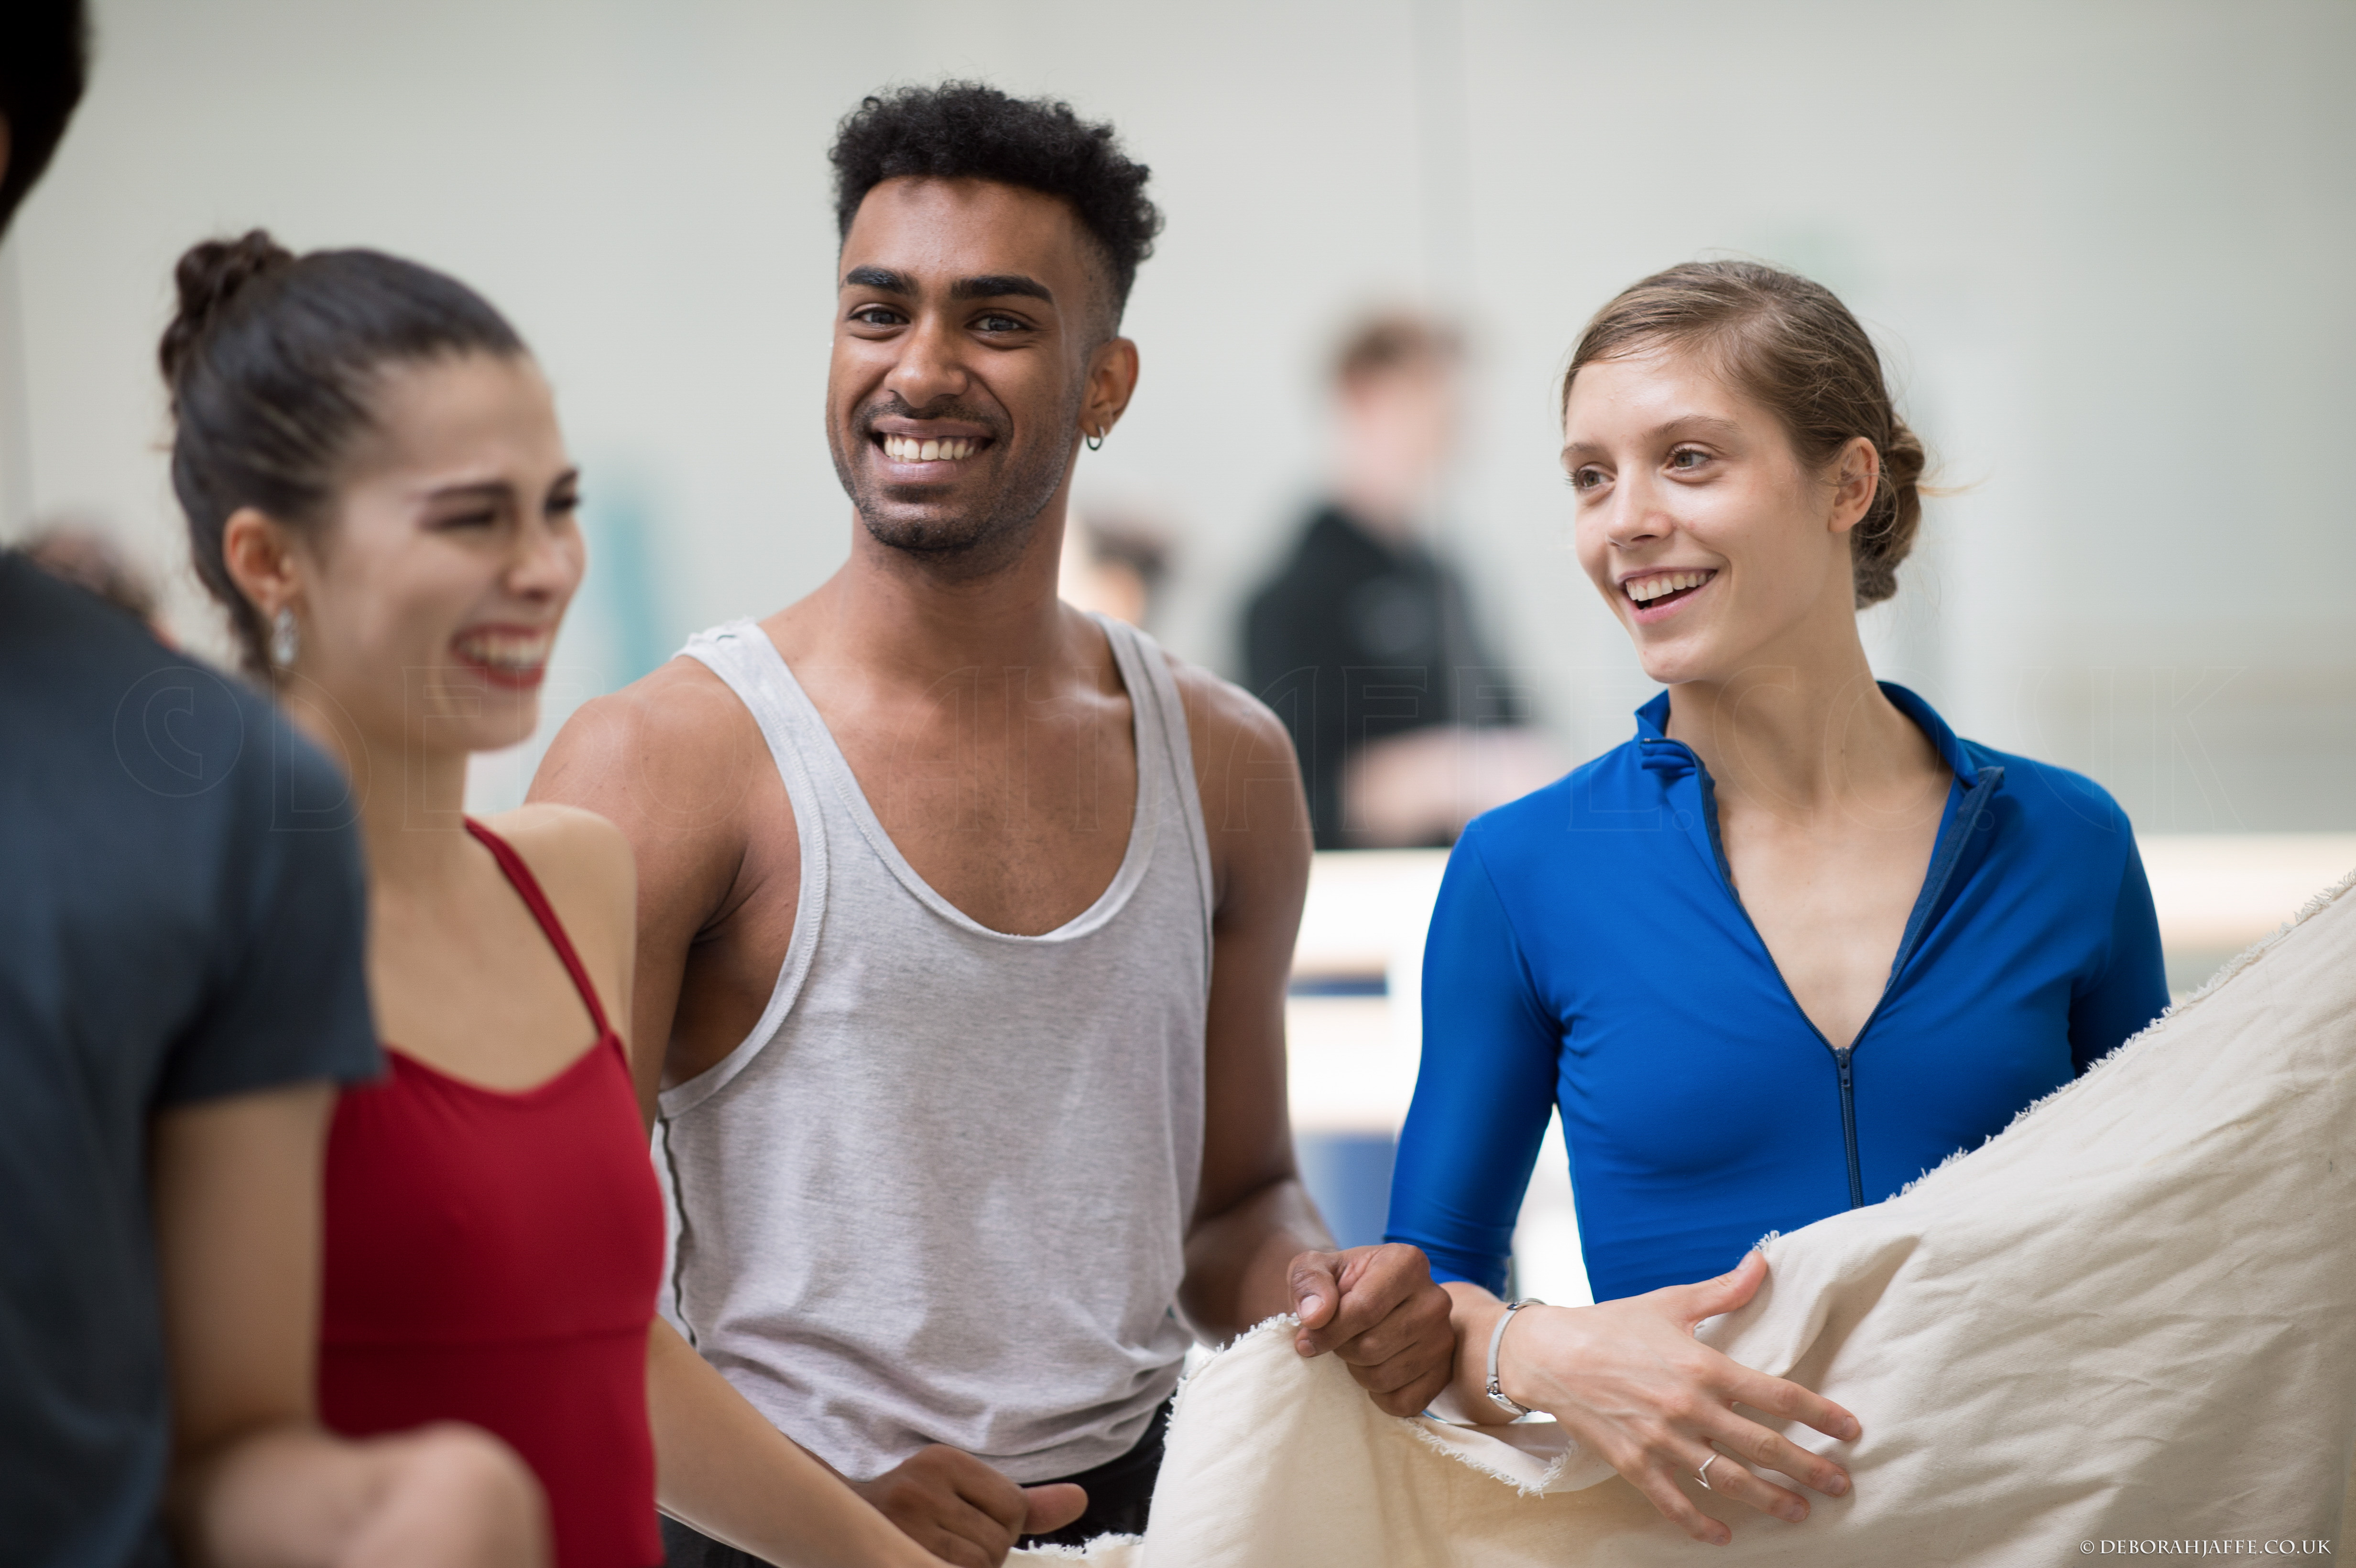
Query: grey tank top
(940,1194)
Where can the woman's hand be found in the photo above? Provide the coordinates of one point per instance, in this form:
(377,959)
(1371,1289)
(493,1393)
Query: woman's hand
(1629,1380)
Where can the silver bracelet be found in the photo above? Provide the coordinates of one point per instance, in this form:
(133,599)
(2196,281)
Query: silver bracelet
(1496,1338)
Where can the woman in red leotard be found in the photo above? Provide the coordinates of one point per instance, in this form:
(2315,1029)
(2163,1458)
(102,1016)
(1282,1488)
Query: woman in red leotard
(378,492)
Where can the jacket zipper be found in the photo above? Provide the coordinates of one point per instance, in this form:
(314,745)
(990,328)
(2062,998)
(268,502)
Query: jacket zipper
(1943,868)
(1841,1055)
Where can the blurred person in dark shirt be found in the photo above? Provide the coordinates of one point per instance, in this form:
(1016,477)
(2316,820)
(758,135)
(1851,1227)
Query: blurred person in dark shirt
(1365,643)
(182,988)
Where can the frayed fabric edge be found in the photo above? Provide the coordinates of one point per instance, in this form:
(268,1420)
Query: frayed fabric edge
(1440,1444)
(1423,1426)
(1284,1321)
(1081,1554)
(2249,955)
(2224,974)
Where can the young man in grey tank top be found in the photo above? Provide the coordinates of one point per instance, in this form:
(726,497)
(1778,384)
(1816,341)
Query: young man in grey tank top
(965,919)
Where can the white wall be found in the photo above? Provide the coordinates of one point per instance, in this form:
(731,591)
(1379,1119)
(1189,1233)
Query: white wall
(2105,243)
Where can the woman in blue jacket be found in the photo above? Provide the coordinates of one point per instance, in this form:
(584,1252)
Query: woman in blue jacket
(1774,957)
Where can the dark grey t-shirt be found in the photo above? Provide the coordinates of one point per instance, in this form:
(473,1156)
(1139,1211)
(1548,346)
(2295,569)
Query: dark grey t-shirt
(181,915)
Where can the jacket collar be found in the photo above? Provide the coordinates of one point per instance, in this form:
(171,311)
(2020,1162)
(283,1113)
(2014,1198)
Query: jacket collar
(1963,842)
(1951,752)
(1662,754)
(1653,719)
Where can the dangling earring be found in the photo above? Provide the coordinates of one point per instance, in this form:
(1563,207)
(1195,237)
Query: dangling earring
(1096,441)
(285,639)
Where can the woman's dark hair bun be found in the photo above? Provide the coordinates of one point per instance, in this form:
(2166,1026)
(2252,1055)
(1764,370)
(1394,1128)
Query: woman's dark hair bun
(210,276)
(273,362)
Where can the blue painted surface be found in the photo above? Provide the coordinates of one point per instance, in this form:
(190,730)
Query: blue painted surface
(1349,1177)
(1339,985)
(625,585)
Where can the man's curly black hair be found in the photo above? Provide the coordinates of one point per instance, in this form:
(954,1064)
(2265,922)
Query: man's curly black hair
(968,129)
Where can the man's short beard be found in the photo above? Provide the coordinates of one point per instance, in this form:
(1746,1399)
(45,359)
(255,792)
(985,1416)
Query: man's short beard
(986,540)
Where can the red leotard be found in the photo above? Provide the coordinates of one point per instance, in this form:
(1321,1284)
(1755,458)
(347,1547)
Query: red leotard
(493,1257)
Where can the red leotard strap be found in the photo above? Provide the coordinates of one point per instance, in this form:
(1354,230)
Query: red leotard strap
(534,900)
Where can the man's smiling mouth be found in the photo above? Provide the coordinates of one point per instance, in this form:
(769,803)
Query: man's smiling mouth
(920,449)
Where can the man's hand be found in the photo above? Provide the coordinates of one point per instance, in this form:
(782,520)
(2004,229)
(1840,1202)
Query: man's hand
(1378,1311)
(962,1511)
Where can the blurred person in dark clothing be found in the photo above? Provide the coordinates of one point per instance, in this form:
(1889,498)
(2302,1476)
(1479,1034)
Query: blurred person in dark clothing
(1365,643)
(182,988)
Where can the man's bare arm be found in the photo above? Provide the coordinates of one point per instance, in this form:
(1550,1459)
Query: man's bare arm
(1258,1247)
(673,761)
(1252,1216)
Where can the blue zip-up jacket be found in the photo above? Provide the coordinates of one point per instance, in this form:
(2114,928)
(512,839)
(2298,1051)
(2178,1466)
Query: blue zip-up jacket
(1589,951)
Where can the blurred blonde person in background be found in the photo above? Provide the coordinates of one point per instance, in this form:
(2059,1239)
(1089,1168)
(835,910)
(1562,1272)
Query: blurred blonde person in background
(1365,643)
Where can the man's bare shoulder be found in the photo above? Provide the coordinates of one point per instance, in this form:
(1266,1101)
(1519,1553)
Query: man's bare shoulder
(1244,766)
(670,757)
(1222,713)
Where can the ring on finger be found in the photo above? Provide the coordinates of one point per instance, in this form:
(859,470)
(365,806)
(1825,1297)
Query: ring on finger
(1702,1474)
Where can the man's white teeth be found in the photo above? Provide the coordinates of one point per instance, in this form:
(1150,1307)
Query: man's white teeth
(506,650)
(1643,589)
(908,448)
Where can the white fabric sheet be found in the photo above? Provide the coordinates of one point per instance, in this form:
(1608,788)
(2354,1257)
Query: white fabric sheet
(2129,1319)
